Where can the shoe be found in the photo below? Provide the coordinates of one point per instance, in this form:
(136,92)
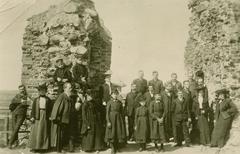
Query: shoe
(177,145)
(187,145)
(113,151)
(140,149)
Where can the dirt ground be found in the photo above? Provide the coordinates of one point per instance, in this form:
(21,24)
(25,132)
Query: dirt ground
(132,148)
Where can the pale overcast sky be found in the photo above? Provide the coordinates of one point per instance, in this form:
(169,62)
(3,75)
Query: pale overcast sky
(147,35)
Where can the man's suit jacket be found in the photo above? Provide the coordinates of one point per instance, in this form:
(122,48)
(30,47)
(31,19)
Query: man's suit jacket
(131,103)
(157,85)
(148,98)
(180,110)
(141,85)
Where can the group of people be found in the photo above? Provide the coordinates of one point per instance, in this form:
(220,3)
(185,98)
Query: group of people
(151,112)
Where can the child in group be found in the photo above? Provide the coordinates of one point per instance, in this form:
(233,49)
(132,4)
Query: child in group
(141,125)
(115,131)
(157,128)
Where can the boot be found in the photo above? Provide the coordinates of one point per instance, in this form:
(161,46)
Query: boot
(156,147)
(162,147)
(113,150)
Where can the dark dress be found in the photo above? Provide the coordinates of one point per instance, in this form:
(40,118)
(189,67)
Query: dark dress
(202,120)
(61,119)
(40,133)
(115,116)
(169,125)
(141,123)
(92,135)
(157,129)
(224,114)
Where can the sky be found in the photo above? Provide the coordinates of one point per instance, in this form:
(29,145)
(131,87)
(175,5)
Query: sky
(147,35)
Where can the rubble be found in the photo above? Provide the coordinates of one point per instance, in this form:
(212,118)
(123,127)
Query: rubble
(214,47)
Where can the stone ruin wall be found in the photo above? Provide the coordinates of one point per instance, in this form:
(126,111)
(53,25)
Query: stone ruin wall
(214,47)
(72,29)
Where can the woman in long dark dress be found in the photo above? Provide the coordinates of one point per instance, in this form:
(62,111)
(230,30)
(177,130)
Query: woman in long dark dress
(141,125)
(225,111)
(41,110)
(157,113)
(201,111)
(92,139)
(115,131)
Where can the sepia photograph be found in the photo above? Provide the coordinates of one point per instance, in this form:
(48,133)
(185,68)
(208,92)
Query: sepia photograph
(119,76)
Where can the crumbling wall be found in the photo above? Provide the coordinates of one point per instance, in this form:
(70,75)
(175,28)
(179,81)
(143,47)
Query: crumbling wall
(214,47)
(72,29)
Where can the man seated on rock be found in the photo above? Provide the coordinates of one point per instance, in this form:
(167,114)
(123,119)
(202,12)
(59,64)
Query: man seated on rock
(62,74)
(80,73)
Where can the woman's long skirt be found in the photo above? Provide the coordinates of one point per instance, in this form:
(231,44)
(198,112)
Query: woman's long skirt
(40,135)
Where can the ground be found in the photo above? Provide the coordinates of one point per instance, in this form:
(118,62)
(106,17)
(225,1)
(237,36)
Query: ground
(132,148)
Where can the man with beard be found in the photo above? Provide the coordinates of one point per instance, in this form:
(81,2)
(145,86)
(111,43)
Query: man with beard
(61,119)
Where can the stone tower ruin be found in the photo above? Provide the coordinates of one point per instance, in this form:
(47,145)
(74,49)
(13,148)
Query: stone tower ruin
(72,30)
(214,47)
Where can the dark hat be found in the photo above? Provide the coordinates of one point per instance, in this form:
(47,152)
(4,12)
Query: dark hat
(42,86)
(141,98)
(115,91)
(222,91)
(200,74)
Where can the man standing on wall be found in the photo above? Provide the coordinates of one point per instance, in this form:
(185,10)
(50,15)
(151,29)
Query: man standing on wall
(140,83)
(18,108)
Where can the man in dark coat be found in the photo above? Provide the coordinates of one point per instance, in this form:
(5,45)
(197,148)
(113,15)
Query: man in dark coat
(62,74)
(188,98)
(61,118)
(131,104)
(156,83)
(182,117)
(140,83)
(18,108)
(176,85)
(167,98)
(80,73)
